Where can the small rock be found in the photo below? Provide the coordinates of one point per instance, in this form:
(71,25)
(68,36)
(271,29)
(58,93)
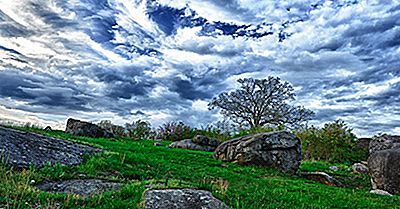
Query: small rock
(158,144)
(380,192)
(359,168)
(322,177)
(334,168)
(181,199)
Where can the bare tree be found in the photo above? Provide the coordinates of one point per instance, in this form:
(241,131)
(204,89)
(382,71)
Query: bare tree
(260,102)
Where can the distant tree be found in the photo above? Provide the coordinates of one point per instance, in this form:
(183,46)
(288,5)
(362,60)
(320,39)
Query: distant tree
(139,130)
(260,102)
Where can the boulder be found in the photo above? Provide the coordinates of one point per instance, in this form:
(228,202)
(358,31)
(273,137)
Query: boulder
(384,142)
(334,168)
(85,187)
(384,169)
(82,128)
(322,177)
(199,142)
(189,144)
(205,141)
(281,150)
(363,143)
(359,168)
(181,199)
(23,149)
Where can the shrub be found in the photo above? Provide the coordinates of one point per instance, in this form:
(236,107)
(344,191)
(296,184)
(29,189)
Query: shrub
(139,130)
(256,130)
(110,127)
(215,133)
(335,142)
(175,131)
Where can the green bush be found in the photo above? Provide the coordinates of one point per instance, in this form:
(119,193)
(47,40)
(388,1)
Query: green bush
(175,131)
(256,130)
(335,142)
(139,130)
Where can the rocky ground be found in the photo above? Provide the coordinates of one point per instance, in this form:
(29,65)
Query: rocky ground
(22,149)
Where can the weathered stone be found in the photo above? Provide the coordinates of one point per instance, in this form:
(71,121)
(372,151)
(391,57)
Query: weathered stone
(82,128)
(384,142)
(280,150)
(384,169)
(181,199)
(359,168)
(85,187)
(205,141)
(188,144)
(380,192)
(22,149)
(322,177)
(363,143)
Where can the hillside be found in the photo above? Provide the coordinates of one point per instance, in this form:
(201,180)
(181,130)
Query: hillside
(139,165)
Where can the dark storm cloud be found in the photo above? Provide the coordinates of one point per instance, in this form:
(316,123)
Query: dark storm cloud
(41,90)
(119,58)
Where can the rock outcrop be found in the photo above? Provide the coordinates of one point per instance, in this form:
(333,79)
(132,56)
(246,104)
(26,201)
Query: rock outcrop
(82,128)
(22,149)
(181,199)
(84,188)
(201,143)
(280,150)
(384,169)
(384,142)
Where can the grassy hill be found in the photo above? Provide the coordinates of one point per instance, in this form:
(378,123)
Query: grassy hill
(140,165)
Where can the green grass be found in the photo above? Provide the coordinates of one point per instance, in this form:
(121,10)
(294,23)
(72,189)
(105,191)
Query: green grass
(139,165)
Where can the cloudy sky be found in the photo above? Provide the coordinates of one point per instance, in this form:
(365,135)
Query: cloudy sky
(163,60)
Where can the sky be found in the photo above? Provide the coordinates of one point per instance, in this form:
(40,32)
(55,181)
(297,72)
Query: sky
(164,60)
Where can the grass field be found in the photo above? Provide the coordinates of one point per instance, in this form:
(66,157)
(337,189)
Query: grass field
(139,165)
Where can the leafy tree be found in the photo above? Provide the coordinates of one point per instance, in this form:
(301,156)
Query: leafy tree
(139,130)
(260,102)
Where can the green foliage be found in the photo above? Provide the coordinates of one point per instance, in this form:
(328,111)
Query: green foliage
(175,131)
(215,133)
(335,142)
(138,164)
(258,129)
(139,130)
(110,127)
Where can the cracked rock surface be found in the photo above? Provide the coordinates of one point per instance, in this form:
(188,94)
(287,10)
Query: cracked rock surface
(182,199)
(281,150)
(22,149)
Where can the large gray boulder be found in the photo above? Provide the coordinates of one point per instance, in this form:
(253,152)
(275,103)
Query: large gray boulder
(23,149)
(82,128)
(280,150)
(199,142)
(189,144)
(384,142)
(181,199)
(384,169)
